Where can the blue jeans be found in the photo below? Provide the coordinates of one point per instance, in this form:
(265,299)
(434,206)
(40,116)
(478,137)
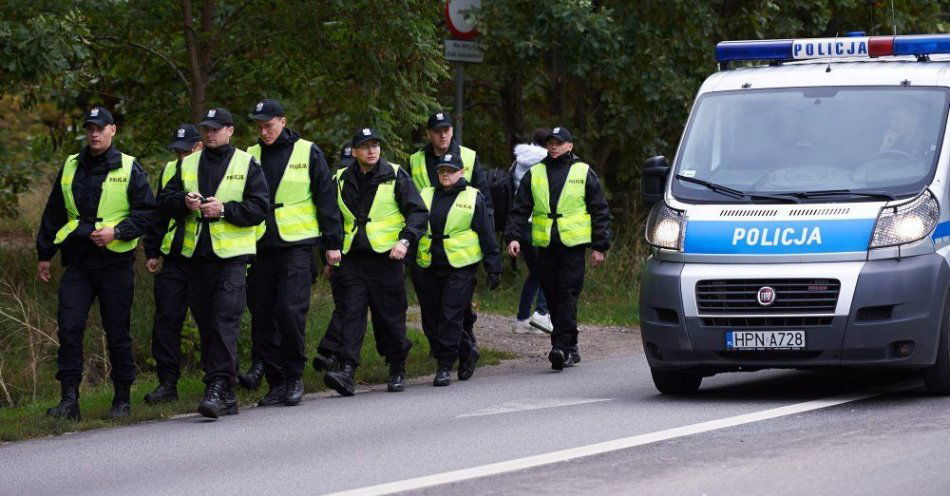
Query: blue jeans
(531,288)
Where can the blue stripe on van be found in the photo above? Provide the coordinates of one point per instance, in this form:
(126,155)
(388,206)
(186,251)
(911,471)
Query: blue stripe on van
(777,237)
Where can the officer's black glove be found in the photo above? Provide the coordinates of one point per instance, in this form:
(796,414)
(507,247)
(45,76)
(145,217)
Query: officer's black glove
(493,281)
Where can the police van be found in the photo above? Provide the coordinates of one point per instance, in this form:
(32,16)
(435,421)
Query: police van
(805,219)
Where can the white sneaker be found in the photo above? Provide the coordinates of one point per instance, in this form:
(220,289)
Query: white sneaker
(524,327)
(542,322)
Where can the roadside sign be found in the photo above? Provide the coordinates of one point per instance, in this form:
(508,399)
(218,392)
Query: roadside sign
(459,20)
(462,51)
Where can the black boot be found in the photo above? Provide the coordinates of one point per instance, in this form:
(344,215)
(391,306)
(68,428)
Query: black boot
(219,400)
(121,404)
(467,367)
(557,358)
(323,363)
(252,378)
(166,392)
(443,377)
(342,381)
(294,392)
(574,356)
(68,406)
(397,377)
(275,396)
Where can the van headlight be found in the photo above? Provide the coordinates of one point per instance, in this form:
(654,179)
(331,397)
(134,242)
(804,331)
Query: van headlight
(905,223)
(665,227)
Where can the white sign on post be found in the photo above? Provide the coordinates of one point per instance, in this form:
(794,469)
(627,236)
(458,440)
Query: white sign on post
(462,51)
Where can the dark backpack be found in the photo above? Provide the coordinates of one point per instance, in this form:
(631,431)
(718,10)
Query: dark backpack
(502,194)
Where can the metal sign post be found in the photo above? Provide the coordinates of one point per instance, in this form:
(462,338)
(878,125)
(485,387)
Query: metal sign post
(461,50)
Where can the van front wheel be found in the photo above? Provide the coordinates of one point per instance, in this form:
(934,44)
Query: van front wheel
(676,382)
(937,376)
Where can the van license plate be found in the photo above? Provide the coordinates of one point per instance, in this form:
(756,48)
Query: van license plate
(765,340)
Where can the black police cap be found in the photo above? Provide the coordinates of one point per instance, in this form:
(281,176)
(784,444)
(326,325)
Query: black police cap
(185,138)
(363,135)
(561,133)
(267,109)
(99,116)
(217,118)
(439,119)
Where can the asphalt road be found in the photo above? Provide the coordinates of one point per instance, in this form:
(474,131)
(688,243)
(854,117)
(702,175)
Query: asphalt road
(599,428)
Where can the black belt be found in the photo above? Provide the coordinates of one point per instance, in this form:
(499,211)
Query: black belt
(209,220)
(276,206)
(554,216)
(90,219)
(440,237)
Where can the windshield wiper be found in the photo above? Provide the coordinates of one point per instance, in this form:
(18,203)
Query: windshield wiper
(838,192)
(726,190)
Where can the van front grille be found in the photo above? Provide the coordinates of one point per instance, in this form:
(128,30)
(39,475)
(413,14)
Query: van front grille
(740,296)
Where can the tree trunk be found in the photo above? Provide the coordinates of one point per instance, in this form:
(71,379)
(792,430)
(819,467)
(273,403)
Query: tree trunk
(512,109)
(199,53)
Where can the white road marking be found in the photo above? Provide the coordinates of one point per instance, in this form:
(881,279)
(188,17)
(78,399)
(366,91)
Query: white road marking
(614,445)
(524,406)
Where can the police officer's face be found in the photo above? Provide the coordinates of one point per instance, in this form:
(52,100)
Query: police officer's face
(271,129)
(448,176)
(440,138)
(99,138)
(556,147)
(367,154)
(214,138)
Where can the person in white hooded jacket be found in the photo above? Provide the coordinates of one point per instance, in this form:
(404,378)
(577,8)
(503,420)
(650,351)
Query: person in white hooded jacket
(526,322)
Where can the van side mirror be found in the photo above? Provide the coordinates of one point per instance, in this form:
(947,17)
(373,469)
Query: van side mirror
(653,180)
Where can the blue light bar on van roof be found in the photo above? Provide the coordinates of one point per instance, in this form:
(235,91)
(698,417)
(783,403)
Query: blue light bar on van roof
(830,48)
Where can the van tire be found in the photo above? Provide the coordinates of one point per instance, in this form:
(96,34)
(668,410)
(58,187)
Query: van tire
(937,376)
(676,382)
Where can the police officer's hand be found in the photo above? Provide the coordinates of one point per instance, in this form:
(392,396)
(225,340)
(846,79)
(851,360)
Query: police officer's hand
(493,281)
(102,236)
(596,258)
(193,201)
(398,252)
(152,265)
(514,248)
(212,208)
(333,257)
(42,270)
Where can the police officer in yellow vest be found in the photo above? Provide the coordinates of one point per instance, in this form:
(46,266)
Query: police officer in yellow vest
(568,214)
(383,216)
(99,206)
(162,245)
(303,210)
(223,196)
(460,235)
(440,134)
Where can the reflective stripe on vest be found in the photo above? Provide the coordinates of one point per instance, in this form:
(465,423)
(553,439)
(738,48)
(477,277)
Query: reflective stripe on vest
(169,237)
(573,221)
(459,240)
(385,221)
(113,202)
(227,240)
(294,211)
(420,175)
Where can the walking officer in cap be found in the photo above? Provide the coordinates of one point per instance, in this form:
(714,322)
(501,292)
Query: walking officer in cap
(569,213)
(99,206)
(303,210)
(460,234)
(162,245)
(383,216)
(222,195)
(440,134)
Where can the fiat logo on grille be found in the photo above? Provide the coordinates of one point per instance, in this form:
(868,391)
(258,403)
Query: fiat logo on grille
(765,296)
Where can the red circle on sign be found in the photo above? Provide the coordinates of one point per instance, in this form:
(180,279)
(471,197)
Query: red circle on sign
(461,27)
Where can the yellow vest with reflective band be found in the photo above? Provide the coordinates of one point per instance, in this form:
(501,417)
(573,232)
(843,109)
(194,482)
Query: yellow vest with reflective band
(113,202)
(420,176)
(294,211)
(573,220)
(169,237)
(385,221)
(227,240)
(459,240)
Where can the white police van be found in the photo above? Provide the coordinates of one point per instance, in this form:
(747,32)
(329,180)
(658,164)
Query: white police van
(805,219)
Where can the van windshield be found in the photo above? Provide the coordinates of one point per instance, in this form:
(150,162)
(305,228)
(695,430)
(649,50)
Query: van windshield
(842,143)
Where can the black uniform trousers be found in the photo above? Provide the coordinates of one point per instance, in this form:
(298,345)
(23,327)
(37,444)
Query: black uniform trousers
(217,300)
(445,296)
(377,283)
(278,293)
(561,276)
(79,287)
(171,306)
